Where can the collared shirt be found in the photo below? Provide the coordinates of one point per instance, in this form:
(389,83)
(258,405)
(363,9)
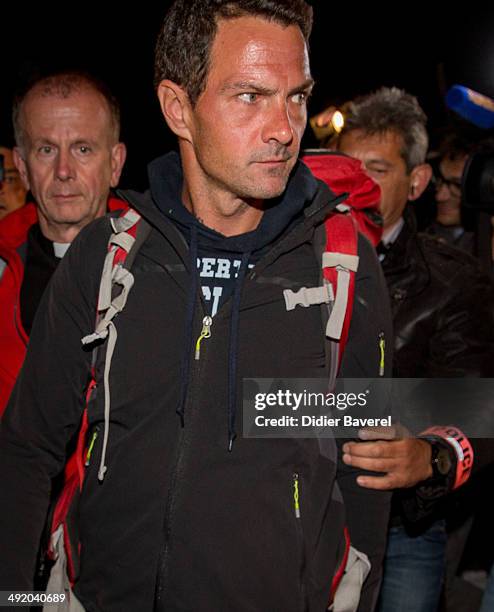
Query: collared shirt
(389,236)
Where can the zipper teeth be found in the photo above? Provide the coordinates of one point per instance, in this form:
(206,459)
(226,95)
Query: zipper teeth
(163,568)
(164,564)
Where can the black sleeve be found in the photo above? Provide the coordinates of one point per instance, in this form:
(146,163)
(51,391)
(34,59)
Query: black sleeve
(367,510)
(462,344)
(462,347)
(44,411)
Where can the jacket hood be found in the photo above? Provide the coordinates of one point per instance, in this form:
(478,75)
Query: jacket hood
(166,180)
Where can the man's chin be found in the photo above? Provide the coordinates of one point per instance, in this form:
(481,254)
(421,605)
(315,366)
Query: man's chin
(268,187)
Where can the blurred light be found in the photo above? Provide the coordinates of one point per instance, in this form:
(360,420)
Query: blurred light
(333,126)
(337,121)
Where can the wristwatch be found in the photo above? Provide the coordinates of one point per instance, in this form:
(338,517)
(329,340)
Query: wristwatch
(440,459)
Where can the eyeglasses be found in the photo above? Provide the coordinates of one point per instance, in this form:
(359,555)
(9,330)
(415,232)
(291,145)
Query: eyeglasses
(453,184)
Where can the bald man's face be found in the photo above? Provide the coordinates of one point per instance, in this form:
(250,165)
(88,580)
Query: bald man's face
(12,191)
(68,158)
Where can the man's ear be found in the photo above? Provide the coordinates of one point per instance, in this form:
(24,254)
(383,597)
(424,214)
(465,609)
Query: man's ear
(419,179)
(118,156)
(176,108)
(20,164)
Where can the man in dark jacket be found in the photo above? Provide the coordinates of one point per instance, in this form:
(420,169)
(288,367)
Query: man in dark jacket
(68,153)
(177,512)
(443,310)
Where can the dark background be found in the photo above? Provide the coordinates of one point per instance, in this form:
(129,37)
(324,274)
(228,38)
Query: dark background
(422,48)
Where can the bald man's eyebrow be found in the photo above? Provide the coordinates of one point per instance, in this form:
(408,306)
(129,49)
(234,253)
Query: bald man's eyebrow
(307,86)
(252,86)
(247,86)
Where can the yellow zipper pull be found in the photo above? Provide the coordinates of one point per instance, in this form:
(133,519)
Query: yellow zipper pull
(205,333)
(296,501)
(382,346)
(90,449)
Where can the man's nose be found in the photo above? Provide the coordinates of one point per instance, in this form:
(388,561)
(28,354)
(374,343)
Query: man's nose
(442,193)
(278,126)
(64,166)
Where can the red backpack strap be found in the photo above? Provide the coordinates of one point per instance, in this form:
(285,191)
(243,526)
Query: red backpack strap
(339,263)
(122,249)
(340,571)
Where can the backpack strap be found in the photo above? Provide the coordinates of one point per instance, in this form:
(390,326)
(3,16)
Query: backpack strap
(337,254)
(112,301)
(130,232)
(116,283)
(339,264)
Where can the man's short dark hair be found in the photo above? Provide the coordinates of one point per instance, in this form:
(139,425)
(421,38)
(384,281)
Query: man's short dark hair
(462,141)
(184,42)
(390,109)
(63,84)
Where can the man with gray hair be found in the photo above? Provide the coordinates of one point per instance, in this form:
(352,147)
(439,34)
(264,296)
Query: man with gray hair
(68,154)
(443,327)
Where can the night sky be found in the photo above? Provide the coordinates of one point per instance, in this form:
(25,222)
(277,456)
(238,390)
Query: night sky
(354,50)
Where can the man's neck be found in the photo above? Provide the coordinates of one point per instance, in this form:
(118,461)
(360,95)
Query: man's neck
(227,216)
(65,233)
(215,206)
(57,232)
(391,232)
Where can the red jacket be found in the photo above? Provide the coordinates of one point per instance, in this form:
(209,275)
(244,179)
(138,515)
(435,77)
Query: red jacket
(13,338)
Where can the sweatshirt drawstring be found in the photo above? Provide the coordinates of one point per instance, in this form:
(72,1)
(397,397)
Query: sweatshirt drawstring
(232,355)
(189,320)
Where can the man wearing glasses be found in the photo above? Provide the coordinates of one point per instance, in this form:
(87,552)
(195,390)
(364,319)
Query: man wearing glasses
(449,225)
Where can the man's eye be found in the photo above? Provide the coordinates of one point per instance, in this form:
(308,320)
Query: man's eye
(45,150)
(84,149)
(249,98)
(300,98)
(377,172)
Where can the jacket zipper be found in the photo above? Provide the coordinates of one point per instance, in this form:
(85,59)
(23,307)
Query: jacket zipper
(300,532)
(205,333)
(382,347)
(164,560)
(91,446)
(163,565)
(296,496)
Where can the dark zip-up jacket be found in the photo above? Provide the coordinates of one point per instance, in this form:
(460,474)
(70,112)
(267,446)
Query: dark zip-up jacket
(443,318)
(180,523)
(14,231)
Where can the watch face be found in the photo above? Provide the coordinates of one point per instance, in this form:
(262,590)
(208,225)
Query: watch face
(443,461)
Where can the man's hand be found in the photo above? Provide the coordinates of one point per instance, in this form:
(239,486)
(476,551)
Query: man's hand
(404,460)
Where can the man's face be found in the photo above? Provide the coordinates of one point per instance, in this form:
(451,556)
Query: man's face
(448,190)
(69,158)
(12,191)
(247,124)
(381,156)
